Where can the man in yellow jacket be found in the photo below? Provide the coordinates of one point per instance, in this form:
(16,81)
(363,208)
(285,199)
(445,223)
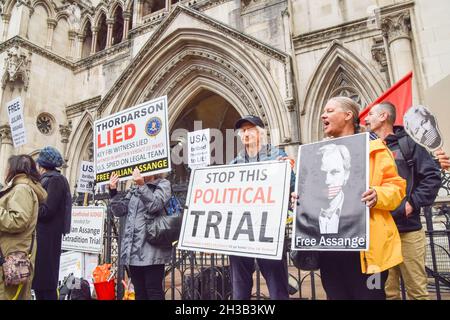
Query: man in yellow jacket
(350,275)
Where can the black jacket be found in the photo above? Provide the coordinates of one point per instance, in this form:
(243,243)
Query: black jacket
(49,230)
(426,180)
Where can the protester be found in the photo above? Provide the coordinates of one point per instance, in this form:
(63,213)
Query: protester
(53,221)
(19,205)
(423,178)
(348,275)
(252,134)
(145,261)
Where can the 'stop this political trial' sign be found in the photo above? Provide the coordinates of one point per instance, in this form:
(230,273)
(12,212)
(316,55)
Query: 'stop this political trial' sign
(137,137)
(237,210)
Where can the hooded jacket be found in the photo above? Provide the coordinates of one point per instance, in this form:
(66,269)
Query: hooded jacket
(425,181)
(139,202)
(19,205)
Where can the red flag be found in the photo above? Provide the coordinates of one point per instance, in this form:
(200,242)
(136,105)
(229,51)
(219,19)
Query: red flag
(400,95)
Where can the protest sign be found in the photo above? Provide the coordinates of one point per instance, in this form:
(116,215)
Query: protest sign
(86,233)
(137,137)
(237,210)
(16,122)
(331,177)
(71,262)
(86,177)
(199,151)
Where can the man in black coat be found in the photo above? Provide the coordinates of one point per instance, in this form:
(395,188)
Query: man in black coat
(53,221)
(423,178)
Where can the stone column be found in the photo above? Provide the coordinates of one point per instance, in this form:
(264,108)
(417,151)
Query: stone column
(80,40)
(126,24)
(140,11)
(51,25)
(72,45)
(168,5)
(5,20)
(94,40)
(6,149)
(397,32)
(65,131)
(110,24)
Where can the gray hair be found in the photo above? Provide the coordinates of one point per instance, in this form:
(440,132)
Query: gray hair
(349,104)
(389,108)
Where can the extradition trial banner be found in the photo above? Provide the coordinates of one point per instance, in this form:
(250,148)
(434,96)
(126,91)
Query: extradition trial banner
(237,210)
(137,137)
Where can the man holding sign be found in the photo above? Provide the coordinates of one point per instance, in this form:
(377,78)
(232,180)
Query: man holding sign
(251,132)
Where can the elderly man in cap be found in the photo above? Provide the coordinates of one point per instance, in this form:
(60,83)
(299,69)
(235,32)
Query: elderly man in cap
(53,221)
(253,136)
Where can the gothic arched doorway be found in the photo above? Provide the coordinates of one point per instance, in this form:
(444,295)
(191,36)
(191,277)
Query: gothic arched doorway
(205,110)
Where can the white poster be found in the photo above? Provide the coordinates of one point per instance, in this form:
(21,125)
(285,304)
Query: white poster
(71,263)
(331,177)
(137,137)
(199,149)
(86,177)
(17,122)
(237,210)
(86,230)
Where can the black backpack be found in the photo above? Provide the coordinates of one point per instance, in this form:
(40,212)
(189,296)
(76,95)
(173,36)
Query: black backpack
(407,146)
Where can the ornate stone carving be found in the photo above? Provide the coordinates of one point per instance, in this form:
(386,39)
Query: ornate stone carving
(17,67)
(45,123)
(5,134)
(74,13)
(65,131)
(396,26)
(379,54)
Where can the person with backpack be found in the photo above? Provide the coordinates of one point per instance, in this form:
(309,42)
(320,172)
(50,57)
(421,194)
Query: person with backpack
(19,205)
(145,261)
(423,178)
(53,221)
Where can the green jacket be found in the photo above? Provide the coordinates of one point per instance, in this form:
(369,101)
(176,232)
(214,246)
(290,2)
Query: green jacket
(19,205)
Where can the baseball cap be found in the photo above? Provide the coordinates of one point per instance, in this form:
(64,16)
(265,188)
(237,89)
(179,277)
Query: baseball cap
(252,119)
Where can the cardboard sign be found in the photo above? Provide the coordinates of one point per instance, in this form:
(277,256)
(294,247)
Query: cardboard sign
(331,177)
(237,210)
(17,122)
(199,149)
(422,126)
(71,262)
(137,137)
(86,177)
(86,230)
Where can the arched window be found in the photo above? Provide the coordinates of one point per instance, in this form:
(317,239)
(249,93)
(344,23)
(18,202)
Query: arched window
(118,26)
(102,34)
(87,40)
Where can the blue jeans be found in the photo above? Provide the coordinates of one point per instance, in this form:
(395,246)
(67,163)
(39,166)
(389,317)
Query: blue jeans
(274,271)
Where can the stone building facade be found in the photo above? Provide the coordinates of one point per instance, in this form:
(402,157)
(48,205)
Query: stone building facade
(73,62)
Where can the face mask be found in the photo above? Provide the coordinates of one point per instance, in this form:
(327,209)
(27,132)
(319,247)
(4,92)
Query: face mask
(333,191)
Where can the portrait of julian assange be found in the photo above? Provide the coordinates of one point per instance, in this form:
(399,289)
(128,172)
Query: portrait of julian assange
(332,176)
(421,125)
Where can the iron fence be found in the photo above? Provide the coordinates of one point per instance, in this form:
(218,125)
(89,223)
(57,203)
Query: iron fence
(201,276)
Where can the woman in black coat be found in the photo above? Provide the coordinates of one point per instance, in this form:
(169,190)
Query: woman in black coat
(53,222)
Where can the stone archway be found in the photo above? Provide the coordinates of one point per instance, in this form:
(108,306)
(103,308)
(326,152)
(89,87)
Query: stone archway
(205,110)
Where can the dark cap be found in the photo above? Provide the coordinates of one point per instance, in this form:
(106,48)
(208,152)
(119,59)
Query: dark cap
(252,119)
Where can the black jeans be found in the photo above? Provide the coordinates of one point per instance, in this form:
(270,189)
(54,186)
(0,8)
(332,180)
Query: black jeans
(342,278)
(147,281)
